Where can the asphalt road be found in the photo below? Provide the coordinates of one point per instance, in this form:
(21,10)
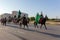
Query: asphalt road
(13,32)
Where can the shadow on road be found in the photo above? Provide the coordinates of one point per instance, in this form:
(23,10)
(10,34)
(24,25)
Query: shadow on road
(12,26)
(50,34)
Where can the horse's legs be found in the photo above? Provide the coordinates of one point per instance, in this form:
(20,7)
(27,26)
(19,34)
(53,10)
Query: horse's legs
(24,26)
(27,25)
(20,25)
(5,23)
(41,26)
(36,26)
(45,26)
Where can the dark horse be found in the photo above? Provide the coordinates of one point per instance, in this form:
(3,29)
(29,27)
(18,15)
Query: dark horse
(21,21)
(42,21)
(25,22)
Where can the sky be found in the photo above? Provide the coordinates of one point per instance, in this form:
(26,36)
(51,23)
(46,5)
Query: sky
(51,8)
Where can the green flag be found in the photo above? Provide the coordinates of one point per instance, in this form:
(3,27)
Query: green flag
(37,18)
(19,14)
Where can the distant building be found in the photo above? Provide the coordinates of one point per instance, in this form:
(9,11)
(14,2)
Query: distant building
(15,13)
(6,15)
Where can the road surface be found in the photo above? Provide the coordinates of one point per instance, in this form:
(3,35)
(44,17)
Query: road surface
(13,32)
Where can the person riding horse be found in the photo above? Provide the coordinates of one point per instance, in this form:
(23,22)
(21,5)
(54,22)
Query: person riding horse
(3,21)
(25,21)
(38,20)
(41,21)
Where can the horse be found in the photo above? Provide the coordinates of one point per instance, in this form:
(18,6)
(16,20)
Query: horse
(3,21)
(21,21)
(25,22)
(42,21)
